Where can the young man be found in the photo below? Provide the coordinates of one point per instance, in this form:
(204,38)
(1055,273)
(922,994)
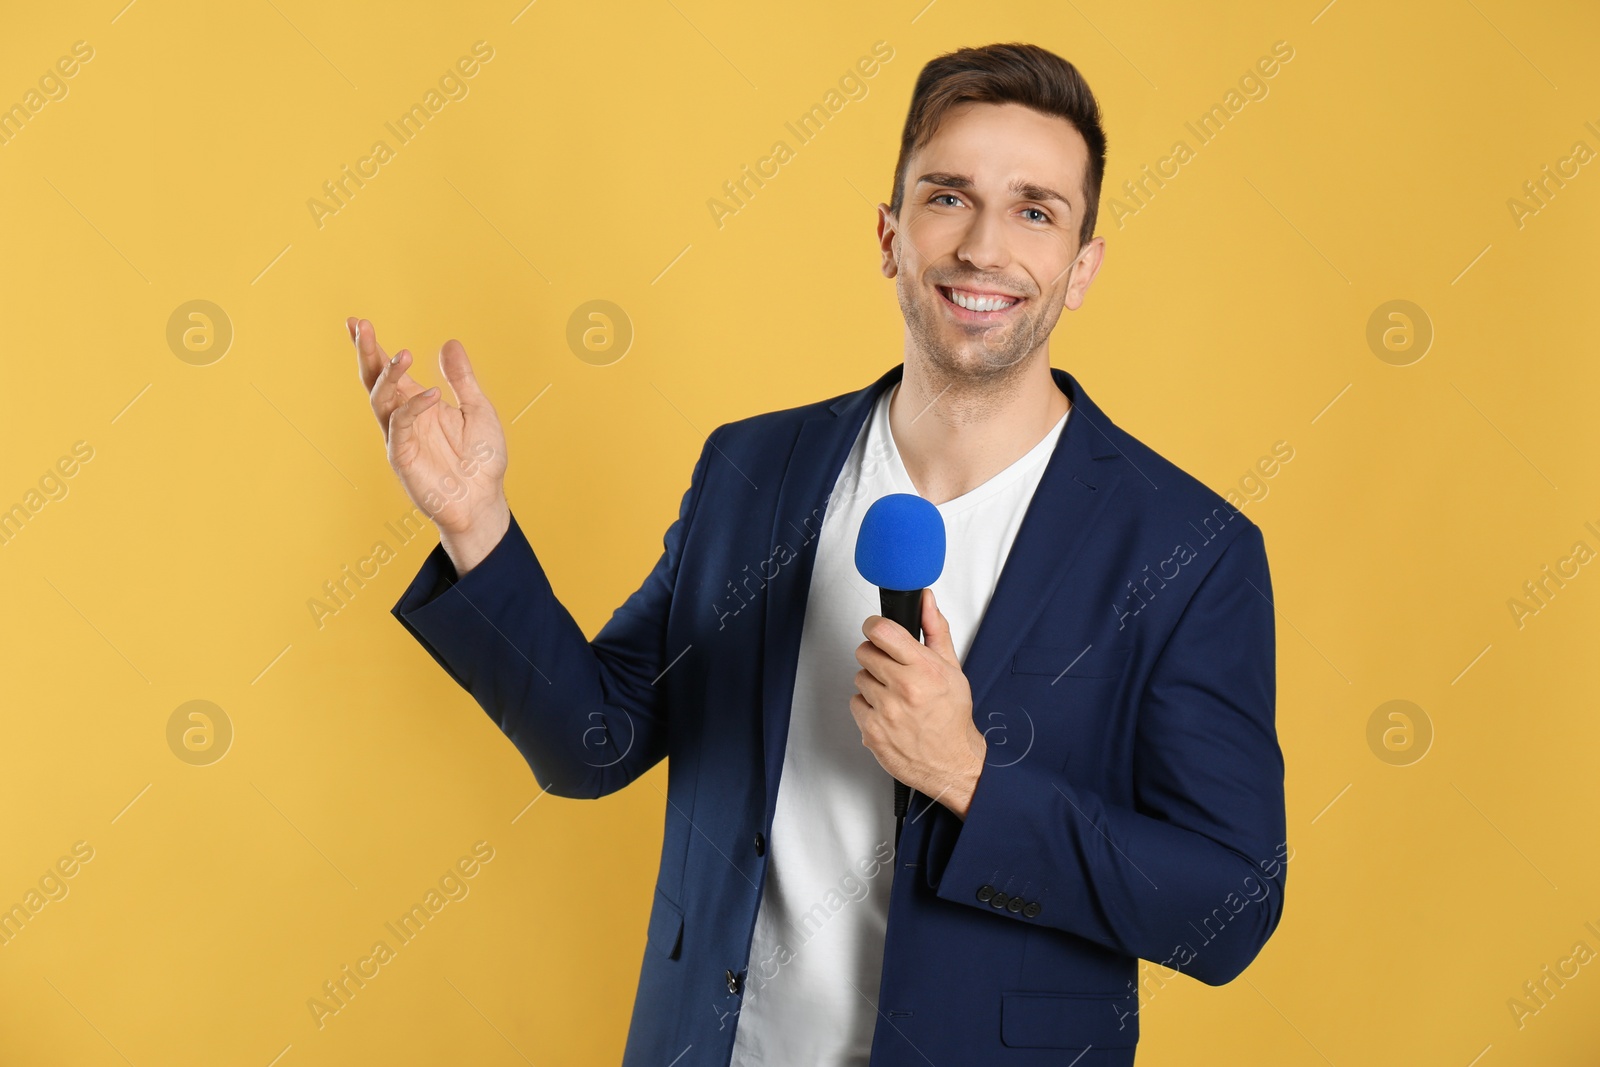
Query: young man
(1087,726)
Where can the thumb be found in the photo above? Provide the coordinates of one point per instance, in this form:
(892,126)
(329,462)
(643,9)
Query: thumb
(457,370)
(936,629)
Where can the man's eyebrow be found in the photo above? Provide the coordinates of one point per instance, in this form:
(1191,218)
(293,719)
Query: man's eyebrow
(1026,190)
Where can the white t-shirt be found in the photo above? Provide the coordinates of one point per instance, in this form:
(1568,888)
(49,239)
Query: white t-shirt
(811,988)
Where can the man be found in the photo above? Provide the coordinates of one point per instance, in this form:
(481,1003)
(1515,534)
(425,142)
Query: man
(1087,727)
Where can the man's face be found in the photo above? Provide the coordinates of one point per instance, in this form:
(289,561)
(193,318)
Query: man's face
(990,219)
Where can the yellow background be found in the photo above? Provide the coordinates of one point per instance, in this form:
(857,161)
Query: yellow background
(1231,313)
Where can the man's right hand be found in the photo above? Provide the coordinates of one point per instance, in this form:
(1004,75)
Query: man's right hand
(451,460)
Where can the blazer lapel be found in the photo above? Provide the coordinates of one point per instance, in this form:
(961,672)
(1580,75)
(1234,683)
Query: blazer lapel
(1072,494)
(819,453)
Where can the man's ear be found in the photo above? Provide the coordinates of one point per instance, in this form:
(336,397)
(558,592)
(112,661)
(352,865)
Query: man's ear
(1089,257)
(886,236)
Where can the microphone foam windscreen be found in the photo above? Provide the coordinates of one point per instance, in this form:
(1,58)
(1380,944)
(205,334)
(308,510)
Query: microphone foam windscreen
(901,543)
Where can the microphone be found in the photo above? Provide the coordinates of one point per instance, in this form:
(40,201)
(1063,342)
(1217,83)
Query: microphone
(900,549)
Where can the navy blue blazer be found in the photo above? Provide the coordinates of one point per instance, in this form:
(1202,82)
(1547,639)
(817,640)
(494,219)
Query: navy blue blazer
(1131,804)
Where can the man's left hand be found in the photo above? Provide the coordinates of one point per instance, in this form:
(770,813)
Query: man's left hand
(914,708)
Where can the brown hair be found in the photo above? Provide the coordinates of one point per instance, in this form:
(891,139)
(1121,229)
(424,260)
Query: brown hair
(1006,73)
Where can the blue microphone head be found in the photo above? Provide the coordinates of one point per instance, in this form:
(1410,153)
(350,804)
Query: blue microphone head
(901,543)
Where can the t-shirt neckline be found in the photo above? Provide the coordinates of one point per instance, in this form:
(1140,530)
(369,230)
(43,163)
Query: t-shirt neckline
(976,495)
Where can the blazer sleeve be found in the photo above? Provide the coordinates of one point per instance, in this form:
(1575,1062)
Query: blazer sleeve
(1193,874)
(588,716)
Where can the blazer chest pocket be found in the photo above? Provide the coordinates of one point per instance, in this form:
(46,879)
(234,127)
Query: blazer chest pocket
(1064,662)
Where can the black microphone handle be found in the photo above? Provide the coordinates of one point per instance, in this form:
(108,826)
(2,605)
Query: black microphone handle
(904,606)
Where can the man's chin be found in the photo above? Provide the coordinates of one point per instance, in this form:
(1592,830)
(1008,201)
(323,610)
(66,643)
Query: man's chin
(969,358)
(993,349)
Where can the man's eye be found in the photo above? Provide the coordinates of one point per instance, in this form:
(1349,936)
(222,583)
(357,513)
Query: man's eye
(1043,217)
(940,196)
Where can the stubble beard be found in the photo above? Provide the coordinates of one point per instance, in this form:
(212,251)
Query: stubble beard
(980,365)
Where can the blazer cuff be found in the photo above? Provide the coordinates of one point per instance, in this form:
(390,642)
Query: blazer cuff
(449,616)
(995,858)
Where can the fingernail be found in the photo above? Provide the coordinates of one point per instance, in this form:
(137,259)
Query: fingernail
(352,328)
(396,357)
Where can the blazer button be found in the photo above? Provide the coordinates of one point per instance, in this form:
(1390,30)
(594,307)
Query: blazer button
(761,844)
(1014,905)
(998,900)
(733,982)
(1031,909)
(985,892)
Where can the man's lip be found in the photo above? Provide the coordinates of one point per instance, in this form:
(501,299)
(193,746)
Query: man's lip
(980,293)
(968,315)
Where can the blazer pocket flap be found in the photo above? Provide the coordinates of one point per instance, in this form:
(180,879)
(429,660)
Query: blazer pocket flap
(1069,1020)
(1080,661)
(665,933)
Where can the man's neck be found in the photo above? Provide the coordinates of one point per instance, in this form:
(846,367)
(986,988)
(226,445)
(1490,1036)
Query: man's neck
(954,435)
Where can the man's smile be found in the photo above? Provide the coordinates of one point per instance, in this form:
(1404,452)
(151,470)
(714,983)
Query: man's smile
(976,305)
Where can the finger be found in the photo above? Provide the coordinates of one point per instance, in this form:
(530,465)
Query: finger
(458,372)
(861,711)
(893,638)
(875,661)
(404,417)
(369,355)
(870,686)
(393,387)
(936,628)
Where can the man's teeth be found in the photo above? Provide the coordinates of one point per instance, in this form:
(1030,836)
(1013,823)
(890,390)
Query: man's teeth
(978,303)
